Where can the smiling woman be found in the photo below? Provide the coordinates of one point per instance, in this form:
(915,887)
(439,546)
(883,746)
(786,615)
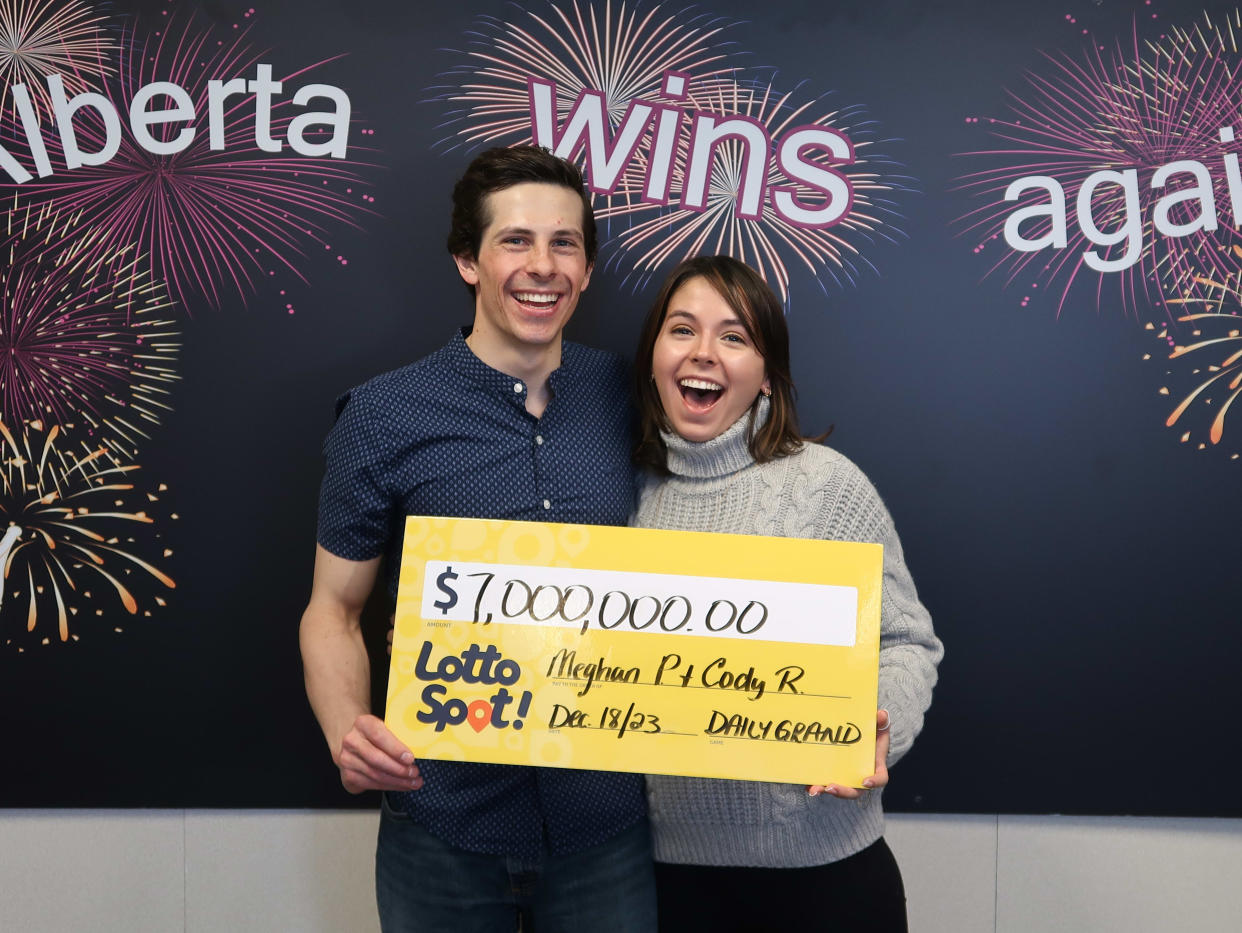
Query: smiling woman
(714,341)
(720,435)
(705,365)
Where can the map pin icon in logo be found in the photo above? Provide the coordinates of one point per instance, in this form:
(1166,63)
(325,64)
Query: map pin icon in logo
(479,714)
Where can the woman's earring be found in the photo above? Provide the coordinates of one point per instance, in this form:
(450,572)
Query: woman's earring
(767,391)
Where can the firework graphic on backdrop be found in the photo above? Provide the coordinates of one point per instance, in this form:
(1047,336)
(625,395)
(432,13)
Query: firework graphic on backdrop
(1203,373)
(770,242)
(212,221)
(75,524)
(1135,106)
(624,56)
(626,53)
(43,37)
(1151,108)
(84,336)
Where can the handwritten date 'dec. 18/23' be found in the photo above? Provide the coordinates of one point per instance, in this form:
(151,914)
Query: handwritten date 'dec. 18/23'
(611,719)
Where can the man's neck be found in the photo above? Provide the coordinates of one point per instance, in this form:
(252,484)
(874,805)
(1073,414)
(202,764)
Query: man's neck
(531,364)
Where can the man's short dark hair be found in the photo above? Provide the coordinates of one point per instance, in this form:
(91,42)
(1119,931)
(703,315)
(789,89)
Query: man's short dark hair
(497,169)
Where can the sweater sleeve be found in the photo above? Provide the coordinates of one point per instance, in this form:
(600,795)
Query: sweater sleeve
(909,648)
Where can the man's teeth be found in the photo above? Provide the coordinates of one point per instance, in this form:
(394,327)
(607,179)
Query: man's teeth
(536,298)
(701,384)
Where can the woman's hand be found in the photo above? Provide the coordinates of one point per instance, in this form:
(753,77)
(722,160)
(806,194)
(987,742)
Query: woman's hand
(879,779)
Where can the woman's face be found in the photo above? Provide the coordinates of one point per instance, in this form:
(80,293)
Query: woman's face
(705,365)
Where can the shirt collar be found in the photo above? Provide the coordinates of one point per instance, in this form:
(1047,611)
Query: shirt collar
(467,363)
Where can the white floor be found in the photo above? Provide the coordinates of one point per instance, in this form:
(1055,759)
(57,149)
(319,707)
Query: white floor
(239,871)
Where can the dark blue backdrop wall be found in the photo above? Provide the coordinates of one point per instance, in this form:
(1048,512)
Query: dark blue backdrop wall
(1042,398)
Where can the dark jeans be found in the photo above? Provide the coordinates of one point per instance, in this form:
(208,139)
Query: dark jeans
(860,894)
(423,884)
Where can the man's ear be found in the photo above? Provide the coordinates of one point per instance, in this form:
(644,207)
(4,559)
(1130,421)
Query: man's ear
(468,268)
(586,279)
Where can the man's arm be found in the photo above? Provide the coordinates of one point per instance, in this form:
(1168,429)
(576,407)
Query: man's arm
(338,678)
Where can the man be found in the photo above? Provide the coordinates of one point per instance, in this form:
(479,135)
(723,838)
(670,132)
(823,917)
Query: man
(506,421)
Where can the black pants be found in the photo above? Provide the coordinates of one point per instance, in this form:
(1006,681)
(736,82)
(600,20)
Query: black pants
(860,894)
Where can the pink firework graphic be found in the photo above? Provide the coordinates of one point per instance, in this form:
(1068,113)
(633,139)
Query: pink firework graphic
(43,37)
(84,335)
(622,53)
(766,237)
(626,89)
(1208,270)
(231,206)
(70,549)
(1116,130)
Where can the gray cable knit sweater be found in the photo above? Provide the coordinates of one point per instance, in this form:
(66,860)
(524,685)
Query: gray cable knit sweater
(814,493)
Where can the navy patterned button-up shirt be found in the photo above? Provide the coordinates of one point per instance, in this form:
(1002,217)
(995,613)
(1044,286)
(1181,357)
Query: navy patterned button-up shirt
(448,435)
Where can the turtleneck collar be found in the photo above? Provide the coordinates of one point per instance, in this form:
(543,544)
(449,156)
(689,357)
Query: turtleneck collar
(727,452)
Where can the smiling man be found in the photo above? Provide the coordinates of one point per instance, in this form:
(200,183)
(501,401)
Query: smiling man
(506,421)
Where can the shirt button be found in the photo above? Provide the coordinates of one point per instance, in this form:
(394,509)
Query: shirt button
(538,438)
(547,504)
(517,387)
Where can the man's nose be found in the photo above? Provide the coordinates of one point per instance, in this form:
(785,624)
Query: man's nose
(539,260)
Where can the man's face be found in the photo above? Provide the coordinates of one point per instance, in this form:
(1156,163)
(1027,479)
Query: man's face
(531,268)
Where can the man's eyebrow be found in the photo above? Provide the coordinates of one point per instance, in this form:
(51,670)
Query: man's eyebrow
(572,232)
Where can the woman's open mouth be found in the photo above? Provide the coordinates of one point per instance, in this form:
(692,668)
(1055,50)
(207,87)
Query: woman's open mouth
(700,394)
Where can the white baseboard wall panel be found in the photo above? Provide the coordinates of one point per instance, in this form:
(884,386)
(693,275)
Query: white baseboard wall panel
(1118,875)
(83,871)
(309,871)
(948,864)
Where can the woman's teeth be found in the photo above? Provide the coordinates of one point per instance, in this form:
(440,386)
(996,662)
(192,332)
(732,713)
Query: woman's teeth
(700,391)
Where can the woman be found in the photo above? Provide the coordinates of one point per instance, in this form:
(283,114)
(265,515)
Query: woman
(720,437)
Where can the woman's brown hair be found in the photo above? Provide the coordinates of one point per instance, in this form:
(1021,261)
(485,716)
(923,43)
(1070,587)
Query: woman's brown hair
(750,298)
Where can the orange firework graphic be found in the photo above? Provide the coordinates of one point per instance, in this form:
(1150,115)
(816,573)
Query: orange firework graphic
(73,525)
(1205,374)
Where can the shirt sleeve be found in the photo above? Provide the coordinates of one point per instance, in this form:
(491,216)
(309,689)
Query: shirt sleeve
(355,507)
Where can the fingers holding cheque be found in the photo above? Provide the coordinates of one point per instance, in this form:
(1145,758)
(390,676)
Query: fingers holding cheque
(876,780)
(372,758)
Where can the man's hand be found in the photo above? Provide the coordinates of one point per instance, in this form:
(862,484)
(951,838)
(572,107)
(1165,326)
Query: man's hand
(338,679)
(372,758)
(877,780)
